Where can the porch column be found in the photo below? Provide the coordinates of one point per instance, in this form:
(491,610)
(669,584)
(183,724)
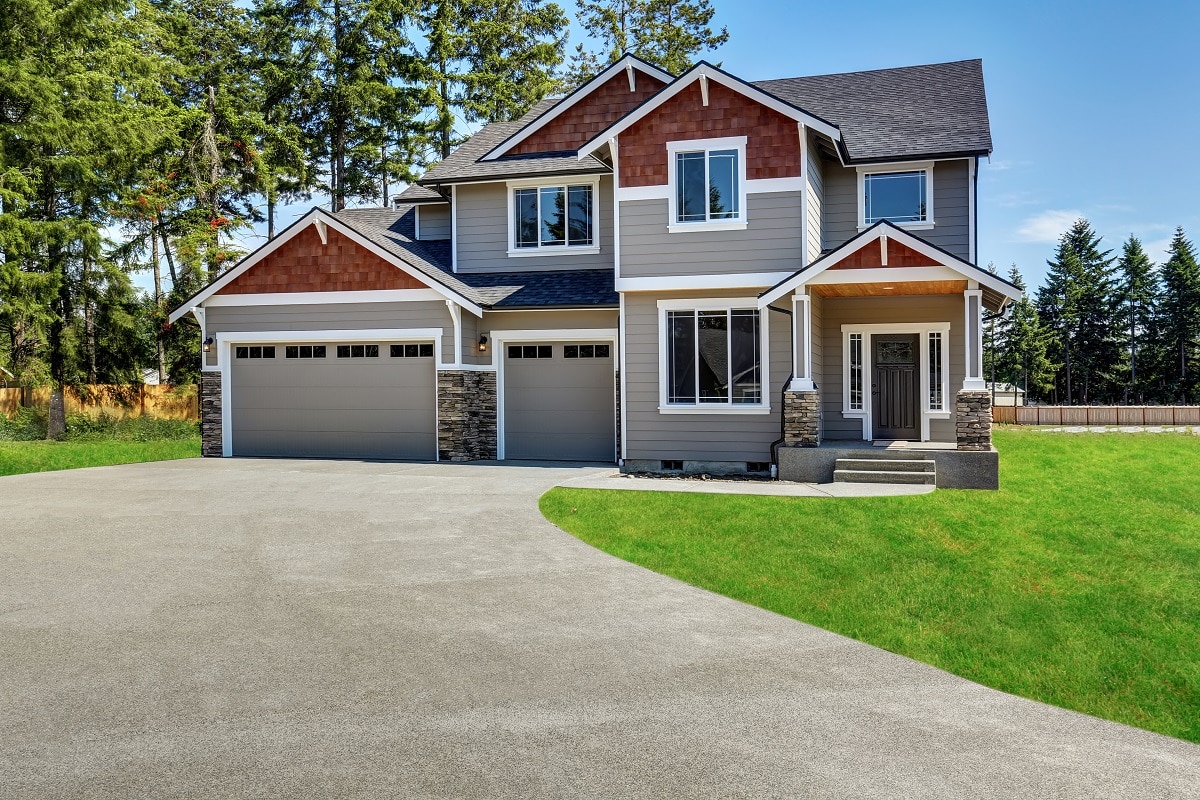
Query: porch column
(802,377)
(973,341)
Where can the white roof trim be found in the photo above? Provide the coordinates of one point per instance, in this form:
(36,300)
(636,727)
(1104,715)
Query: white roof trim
(626,62)
(322,220)
(872,234)
(709,73)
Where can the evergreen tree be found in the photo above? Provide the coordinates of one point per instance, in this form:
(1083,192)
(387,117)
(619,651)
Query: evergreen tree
(1025,356)
(668,33)
(1135,314)
(1179,319)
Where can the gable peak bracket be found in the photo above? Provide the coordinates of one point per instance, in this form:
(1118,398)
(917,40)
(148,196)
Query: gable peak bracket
(322,230)
(704,88)
(631,74)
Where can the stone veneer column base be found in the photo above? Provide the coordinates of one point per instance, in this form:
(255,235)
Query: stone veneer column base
(211,441)
(466,409)
(973,420)
(802,418)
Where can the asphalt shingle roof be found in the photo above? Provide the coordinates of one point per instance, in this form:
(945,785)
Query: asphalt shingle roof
(901,113)
(464,164)
(393,229)
(416,193)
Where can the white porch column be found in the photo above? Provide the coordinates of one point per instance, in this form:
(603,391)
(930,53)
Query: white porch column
(973,342)
(802,379)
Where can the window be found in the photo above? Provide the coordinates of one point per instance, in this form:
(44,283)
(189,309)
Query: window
(304,351)
(585,351)
(411,351)
(254,351)
(904,197)
(554,217)
(937,397)
(856,372)
(713,357)
(530,351)
(358,351)
(707,184)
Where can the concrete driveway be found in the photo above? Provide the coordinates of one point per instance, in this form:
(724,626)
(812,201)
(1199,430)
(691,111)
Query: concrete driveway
(290,629)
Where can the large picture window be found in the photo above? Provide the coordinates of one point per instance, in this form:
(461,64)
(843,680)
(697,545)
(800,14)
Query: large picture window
(903,197)
(550,217)
(714,357)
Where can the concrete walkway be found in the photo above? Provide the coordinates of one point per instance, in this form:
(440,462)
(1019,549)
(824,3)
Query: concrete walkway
(289,629)
(615,480)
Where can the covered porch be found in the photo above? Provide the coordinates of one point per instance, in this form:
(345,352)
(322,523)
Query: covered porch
(887,347)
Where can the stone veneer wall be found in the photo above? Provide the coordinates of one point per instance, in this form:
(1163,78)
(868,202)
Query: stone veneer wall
(210,414)
(466,407)
(801,419)
(973,420)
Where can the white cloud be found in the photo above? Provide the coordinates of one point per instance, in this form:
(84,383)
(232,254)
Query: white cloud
(1157,250)
(1047,226)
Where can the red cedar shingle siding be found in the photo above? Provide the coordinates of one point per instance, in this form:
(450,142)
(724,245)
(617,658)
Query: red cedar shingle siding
(607,103)
(869,256)
(305,265)
(773,140)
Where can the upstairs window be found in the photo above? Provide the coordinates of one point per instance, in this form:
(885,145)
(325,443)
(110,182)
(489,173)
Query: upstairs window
(554,218)
(903,197)
(707,184)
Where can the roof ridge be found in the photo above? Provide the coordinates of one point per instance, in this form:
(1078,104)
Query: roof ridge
(871,71)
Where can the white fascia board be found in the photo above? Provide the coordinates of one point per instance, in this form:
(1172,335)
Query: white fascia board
(714,74)
(330,221)
(939,257)
(682,283)
(570,100)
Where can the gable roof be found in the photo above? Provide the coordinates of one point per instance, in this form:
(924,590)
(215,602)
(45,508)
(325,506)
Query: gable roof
(931,110)
(625,63)
(465,165)
(415,193)
(996,289)
(702,72)
(390,233)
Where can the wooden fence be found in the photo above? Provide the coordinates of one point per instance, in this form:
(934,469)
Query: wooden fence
(1097,415)
(170,402)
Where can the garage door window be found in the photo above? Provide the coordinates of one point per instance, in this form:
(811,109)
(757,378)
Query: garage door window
(304,351)
(530,351)
(412,351)
(358,351)
(254,352)
(586,351)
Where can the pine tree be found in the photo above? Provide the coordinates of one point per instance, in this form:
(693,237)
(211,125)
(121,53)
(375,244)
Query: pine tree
(1179,318)
(668,33)
(1026,352)
(1135,313)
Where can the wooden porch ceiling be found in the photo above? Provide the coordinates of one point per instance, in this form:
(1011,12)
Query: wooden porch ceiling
(894,289)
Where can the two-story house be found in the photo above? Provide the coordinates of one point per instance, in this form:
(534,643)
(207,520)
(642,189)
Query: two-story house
(691,273)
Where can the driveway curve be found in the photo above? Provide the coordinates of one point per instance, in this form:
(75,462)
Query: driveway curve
(285,629)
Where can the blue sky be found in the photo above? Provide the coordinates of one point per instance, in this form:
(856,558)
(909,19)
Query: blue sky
(1095,106)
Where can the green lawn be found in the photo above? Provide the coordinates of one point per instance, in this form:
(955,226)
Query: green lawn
(1078,583)
(18,457)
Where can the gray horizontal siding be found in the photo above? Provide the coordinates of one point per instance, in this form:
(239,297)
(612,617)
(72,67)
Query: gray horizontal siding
(434,220)
(334,316)
(693,437)
(951,207)
(482,222)
(839,311)
(529,321)
(772,241)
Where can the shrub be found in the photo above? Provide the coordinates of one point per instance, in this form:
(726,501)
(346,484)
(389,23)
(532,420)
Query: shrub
(27,425)
(105,427)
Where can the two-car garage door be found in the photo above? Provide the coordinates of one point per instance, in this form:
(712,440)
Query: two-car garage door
(335,400)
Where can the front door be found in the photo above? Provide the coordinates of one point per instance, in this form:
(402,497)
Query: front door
(895,401)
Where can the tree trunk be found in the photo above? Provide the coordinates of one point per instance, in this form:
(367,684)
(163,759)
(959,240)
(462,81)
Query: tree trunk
(170,261)
(158,302)
(214,179)
(338,118)
(271,213)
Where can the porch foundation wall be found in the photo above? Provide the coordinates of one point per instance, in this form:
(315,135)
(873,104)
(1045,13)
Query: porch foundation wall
(801,418)
(973,420)
(956,469)
(466,415)
(211,439)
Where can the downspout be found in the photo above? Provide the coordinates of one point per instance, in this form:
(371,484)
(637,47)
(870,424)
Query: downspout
(782,394)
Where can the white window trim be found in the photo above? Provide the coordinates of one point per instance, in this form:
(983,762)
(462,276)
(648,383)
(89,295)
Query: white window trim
(559,249)
(884,169)
(922,329)
(688,145)
(714,304)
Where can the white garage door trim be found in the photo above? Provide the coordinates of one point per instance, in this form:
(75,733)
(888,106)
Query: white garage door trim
(226,341)
(501,338)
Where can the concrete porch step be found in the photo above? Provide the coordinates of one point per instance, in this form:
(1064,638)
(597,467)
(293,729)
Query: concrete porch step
(887,465)
(880,476)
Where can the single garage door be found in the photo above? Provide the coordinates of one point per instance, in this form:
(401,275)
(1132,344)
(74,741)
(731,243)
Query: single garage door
(336,400)
(559,401)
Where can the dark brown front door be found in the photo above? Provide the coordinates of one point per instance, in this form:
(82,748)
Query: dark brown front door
(895,407)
